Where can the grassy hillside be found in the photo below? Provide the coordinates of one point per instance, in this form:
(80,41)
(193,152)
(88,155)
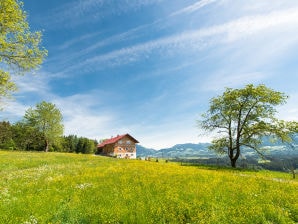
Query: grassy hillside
(70,188)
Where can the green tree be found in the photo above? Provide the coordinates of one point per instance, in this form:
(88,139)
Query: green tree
(90,146)
(47,119)
(85,145)
(242,117)
(20,49)
(6,85)
(70,143)
(59,146)
(6,136)
(27,138)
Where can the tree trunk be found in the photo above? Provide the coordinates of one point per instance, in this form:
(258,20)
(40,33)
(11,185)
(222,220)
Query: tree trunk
(47,146)
(293,172)
(233,163)
(233,157)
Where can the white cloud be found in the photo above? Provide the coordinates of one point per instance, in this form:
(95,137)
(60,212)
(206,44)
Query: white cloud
(289,111)
(167,134)
(194,7)
(13,111)
(260,6)
(86,124)
(82,113)
(34,85)
(250,25)
(83,116)
(37,82)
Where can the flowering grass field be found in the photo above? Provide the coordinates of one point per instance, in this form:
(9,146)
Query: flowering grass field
(71,188)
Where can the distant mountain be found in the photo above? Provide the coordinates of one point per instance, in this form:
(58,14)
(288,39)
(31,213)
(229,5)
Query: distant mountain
(200,150)
(180,150)
(282,157)
(186,150)
(144,152)
(267,141)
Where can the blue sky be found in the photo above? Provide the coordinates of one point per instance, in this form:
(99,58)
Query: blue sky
(150,67)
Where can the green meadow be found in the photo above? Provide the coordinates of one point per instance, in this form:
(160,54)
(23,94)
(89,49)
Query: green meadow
(74,188)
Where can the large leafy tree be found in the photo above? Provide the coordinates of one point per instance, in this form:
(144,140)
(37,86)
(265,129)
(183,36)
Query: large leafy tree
(20,49)
(242,117)
(47,119)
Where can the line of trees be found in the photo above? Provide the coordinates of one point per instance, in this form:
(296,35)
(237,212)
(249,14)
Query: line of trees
(24,137)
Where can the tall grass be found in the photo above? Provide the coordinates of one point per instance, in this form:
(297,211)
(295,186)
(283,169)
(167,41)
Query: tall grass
(70,188)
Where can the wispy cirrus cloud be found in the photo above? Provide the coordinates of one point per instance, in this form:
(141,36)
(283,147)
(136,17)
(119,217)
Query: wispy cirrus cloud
(194,7)
(70,43)
(192,41)
(69,54)
(78,12)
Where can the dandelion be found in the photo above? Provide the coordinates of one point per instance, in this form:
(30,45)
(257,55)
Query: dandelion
(83,186)
(4,195)
(32,220)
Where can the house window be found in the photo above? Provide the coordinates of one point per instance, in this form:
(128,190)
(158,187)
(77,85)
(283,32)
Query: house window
(120,141)
(119,148)
(128,142)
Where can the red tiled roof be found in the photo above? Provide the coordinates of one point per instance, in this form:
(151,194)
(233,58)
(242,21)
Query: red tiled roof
(114,140)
